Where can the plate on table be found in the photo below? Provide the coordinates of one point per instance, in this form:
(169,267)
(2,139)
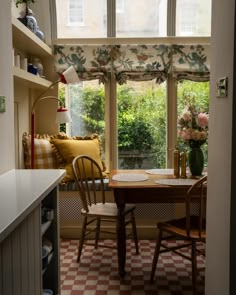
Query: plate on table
(177,181)
(160,171)
(129,177)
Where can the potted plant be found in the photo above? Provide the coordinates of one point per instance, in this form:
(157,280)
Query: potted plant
(193,130)
(24,1)
(27,15)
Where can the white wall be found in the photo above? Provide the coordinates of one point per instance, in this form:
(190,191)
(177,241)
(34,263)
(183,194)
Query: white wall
(220,142)
(7,153)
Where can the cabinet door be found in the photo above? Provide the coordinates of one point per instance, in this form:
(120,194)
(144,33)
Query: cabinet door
(20,258)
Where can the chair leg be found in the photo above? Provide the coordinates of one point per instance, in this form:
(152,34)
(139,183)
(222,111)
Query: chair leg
(194,267)
(82,236)
(134,229)
(156,255)
(97,232)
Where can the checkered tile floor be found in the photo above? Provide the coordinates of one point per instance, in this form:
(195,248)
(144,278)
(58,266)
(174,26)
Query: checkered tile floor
(97,271)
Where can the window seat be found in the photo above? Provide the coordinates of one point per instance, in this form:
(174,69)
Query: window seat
(46,157)
(72,186)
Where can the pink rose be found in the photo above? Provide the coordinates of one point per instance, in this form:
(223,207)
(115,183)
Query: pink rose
(202,120)
(186,133)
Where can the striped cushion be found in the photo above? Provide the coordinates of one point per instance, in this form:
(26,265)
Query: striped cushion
(44,155)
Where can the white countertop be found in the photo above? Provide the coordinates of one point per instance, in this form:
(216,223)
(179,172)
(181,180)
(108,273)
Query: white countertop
(21,191)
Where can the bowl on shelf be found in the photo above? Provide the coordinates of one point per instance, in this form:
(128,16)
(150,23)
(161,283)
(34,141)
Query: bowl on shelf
(47,292)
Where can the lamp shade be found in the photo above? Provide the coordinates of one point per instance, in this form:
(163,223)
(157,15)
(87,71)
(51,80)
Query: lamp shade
(63,116)
(69,76)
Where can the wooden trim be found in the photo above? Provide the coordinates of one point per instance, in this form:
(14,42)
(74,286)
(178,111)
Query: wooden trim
(145,232)
(119,41)
(232,243)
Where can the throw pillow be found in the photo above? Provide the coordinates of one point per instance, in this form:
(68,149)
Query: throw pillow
(44,155)
(67,149)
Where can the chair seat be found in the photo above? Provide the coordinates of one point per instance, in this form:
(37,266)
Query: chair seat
(178,227)
(106,210)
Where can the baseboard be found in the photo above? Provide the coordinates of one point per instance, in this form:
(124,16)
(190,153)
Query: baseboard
(72,231)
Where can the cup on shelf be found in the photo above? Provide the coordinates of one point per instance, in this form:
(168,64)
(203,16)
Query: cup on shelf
(32,69)
(24,63)
(47,214)
(17,60)
(38,64)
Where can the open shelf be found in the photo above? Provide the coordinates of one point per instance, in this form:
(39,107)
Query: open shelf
(29,79)
(27,41)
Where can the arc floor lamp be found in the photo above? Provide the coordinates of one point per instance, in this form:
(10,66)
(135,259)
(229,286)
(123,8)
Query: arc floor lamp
(69,76)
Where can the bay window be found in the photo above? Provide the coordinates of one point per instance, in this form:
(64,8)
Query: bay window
(133,85)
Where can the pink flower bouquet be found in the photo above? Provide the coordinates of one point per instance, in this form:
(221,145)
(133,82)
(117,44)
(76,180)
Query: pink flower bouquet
(193,126)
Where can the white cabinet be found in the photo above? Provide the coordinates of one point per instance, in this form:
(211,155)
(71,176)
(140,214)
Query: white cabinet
(23,195)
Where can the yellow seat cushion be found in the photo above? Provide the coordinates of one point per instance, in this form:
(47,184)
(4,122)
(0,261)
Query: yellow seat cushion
(67,149)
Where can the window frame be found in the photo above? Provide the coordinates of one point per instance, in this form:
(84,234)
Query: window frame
(111,151)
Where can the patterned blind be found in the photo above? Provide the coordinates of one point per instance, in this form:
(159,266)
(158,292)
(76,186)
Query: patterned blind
(135,62)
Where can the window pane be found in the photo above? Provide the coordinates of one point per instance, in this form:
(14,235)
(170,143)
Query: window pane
(197,94)
(75,11)
(193,18)
(81,19)
(142,125)
(87,109)
(141,18)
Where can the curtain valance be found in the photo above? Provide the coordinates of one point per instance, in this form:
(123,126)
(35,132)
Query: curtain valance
(141,62)
(135,62)
(191,62)
(91,62)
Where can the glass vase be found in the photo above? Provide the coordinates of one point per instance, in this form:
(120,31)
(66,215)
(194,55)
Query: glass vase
(196,160)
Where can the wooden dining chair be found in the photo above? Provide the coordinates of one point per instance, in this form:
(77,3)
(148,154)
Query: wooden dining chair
(95,208)
(191,229)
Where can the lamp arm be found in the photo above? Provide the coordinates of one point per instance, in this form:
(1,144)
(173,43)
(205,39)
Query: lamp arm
(42,98)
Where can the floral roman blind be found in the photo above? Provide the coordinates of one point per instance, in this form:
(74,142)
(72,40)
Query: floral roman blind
(91,62)
(191,62)
(135,62)
(141,62)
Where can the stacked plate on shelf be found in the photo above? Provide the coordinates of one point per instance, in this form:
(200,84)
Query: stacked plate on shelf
(46,250)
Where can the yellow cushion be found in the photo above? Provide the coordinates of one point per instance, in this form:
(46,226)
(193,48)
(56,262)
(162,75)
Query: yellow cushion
(67,149)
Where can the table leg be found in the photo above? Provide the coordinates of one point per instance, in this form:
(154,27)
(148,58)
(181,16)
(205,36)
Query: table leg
(121,232)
